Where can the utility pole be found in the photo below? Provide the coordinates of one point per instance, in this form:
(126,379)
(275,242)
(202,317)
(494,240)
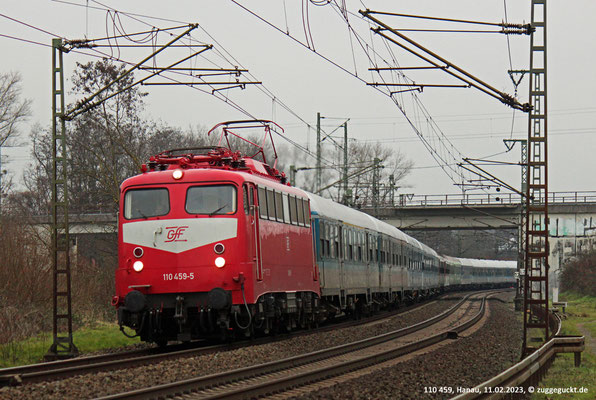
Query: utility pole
(375,185)
(536,318)
(318,182)
(293,175)
(346,196)
(521,243)
(62,345)
(392,189)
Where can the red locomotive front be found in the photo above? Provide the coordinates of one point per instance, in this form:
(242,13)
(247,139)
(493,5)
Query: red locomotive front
(212,244)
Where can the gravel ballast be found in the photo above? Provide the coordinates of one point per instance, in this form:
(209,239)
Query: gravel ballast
(104,383)
(465,363)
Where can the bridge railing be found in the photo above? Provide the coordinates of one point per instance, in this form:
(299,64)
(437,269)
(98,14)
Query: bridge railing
(412,200)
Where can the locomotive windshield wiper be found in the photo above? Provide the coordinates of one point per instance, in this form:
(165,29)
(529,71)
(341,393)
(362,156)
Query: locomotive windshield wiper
(218,210)
(141,213)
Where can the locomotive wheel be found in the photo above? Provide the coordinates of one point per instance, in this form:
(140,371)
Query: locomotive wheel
(161,342)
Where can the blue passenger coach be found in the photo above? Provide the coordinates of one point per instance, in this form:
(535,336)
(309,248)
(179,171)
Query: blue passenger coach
(366,263)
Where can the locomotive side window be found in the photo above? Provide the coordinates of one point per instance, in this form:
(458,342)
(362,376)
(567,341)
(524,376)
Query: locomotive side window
(293,210)
(262,202)
(279,211)
(271,204)
(286,207)
(145,203)
(306,212)
(300,209)
(211,200)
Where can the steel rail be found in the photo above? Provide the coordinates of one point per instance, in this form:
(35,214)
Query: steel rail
(82,365)
(211,381)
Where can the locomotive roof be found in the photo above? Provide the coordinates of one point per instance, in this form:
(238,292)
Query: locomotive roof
(204,175)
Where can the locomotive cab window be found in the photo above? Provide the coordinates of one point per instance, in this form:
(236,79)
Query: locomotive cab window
(246,200)
(145,203)
(211,200)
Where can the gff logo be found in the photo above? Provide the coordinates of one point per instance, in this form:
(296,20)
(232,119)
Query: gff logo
(175,233)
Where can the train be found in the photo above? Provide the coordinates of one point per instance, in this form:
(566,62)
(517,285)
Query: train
(216,243)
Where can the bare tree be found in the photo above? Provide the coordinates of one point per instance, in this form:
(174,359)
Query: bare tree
(13,111)
(384,164)
(367,162)
(106,144)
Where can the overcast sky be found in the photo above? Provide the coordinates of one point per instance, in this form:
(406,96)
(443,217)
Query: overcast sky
(297,83)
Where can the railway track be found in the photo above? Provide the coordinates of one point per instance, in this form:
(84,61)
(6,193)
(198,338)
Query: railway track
(282,375)
(133,358)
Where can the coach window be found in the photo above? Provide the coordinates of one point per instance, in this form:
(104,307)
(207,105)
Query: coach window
(335,242)
(321,239)
(344,248)
(145,203)
(327,240)
(263,202)
(279,211)
(211,200)
(331,237)
(360,252)
(375,248)
(350,245)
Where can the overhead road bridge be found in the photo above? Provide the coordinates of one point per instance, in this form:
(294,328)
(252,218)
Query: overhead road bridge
(480,211)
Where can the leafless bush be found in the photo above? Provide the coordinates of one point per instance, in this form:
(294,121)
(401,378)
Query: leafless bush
(25,281)
(579,275)
(92,290)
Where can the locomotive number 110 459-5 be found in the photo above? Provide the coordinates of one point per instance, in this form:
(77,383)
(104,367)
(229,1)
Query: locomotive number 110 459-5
(180,276)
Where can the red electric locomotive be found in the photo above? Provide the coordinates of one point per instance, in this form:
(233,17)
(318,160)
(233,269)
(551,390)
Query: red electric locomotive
(214,243)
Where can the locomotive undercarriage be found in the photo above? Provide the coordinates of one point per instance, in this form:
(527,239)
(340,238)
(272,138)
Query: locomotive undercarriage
(187,316)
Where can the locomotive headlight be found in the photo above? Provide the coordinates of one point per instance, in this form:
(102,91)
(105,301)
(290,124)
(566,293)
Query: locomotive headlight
(220,262)
(177,174)
(138,266)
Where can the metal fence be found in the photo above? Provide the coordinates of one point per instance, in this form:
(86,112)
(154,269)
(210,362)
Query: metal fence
(412,200)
